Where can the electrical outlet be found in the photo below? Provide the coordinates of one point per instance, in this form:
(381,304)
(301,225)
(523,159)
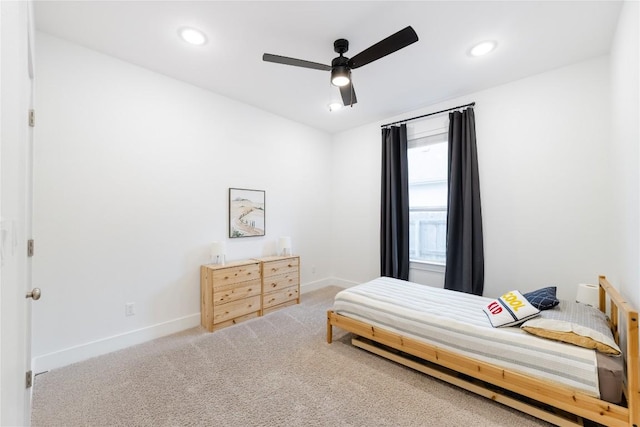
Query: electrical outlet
(129,309)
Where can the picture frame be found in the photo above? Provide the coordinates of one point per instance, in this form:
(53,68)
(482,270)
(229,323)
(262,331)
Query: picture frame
(246,213)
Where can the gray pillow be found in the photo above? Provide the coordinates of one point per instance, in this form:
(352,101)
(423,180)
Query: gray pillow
(575,323)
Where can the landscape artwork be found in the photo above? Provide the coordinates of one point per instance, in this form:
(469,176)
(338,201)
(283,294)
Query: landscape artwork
(246,212)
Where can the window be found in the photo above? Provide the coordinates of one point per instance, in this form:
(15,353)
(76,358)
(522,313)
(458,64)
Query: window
(428,198)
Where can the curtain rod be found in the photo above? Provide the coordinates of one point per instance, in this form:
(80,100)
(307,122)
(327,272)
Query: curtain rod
(427,115)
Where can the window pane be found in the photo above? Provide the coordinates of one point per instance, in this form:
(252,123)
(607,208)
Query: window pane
(428,160)
(428,163)
(428,235)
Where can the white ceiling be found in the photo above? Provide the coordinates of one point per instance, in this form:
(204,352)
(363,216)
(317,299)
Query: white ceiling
(532,36)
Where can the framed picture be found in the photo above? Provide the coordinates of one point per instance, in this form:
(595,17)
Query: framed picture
(246,212)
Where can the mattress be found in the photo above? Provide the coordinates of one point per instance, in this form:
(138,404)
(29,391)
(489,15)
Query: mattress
(455,321)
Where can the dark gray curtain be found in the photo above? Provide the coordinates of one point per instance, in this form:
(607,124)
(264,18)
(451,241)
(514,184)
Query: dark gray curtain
(465,253)
(394,226)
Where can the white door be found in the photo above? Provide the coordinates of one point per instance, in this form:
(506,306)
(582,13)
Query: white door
(16,95)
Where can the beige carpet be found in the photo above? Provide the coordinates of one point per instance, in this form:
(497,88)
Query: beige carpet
(276,370)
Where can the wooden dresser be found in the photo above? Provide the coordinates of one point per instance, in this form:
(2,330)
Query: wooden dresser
(241,290)
(280,282)
(229,293)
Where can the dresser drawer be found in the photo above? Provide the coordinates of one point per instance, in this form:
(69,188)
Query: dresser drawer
(233,309)
(279,297)
(236,291)
(285,266)
(275,283)
(234,321)
(230,275)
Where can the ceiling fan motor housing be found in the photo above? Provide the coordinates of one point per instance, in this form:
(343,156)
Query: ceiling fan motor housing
(339,61)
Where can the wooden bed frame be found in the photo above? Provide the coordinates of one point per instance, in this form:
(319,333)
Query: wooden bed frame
(552,402)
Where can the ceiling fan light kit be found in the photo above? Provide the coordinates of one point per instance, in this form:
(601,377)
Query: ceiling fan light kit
(341,66)
(340,76)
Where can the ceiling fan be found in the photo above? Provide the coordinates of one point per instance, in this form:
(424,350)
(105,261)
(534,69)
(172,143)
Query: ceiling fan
(341,66)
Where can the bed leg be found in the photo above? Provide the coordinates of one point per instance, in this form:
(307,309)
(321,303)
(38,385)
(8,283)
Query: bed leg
(329,328)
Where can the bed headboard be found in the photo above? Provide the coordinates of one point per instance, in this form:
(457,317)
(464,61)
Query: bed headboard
(622,316)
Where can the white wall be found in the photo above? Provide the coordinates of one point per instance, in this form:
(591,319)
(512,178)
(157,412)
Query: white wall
(541,143)
(624,142)
(131,188)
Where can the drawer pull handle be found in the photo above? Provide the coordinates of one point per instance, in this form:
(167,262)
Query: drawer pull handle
(273,285)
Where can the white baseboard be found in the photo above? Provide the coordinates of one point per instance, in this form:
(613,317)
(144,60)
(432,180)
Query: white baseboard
(343,283)
(312,286)
(106,345)
(78,353)
(323,283)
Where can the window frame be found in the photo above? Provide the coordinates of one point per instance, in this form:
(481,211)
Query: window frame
(424,129)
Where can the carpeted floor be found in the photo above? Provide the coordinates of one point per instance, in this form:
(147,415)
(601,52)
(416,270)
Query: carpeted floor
(276,370)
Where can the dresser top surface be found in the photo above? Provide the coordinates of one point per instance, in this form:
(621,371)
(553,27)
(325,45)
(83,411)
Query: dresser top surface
(276,258)
(240,263)
(231,264)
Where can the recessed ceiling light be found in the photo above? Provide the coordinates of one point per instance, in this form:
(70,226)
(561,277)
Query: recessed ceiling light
(334,106)
(483,48)
(192,36)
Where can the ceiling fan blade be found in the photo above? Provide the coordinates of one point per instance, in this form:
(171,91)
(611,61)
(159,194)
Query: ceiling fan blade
(394,42)
(295,62)
(348,94)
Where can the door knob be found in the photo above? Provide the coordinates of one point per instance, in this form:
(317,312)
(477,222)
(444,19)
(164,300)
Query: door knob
(35,294)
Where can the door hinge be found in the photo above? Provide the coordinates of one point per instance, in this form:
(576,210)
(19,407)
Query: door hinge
(29,379)
(32,118)
(30,247)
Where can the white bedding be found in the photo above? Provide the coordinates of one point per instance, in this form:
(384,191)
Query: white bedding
(455,321)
